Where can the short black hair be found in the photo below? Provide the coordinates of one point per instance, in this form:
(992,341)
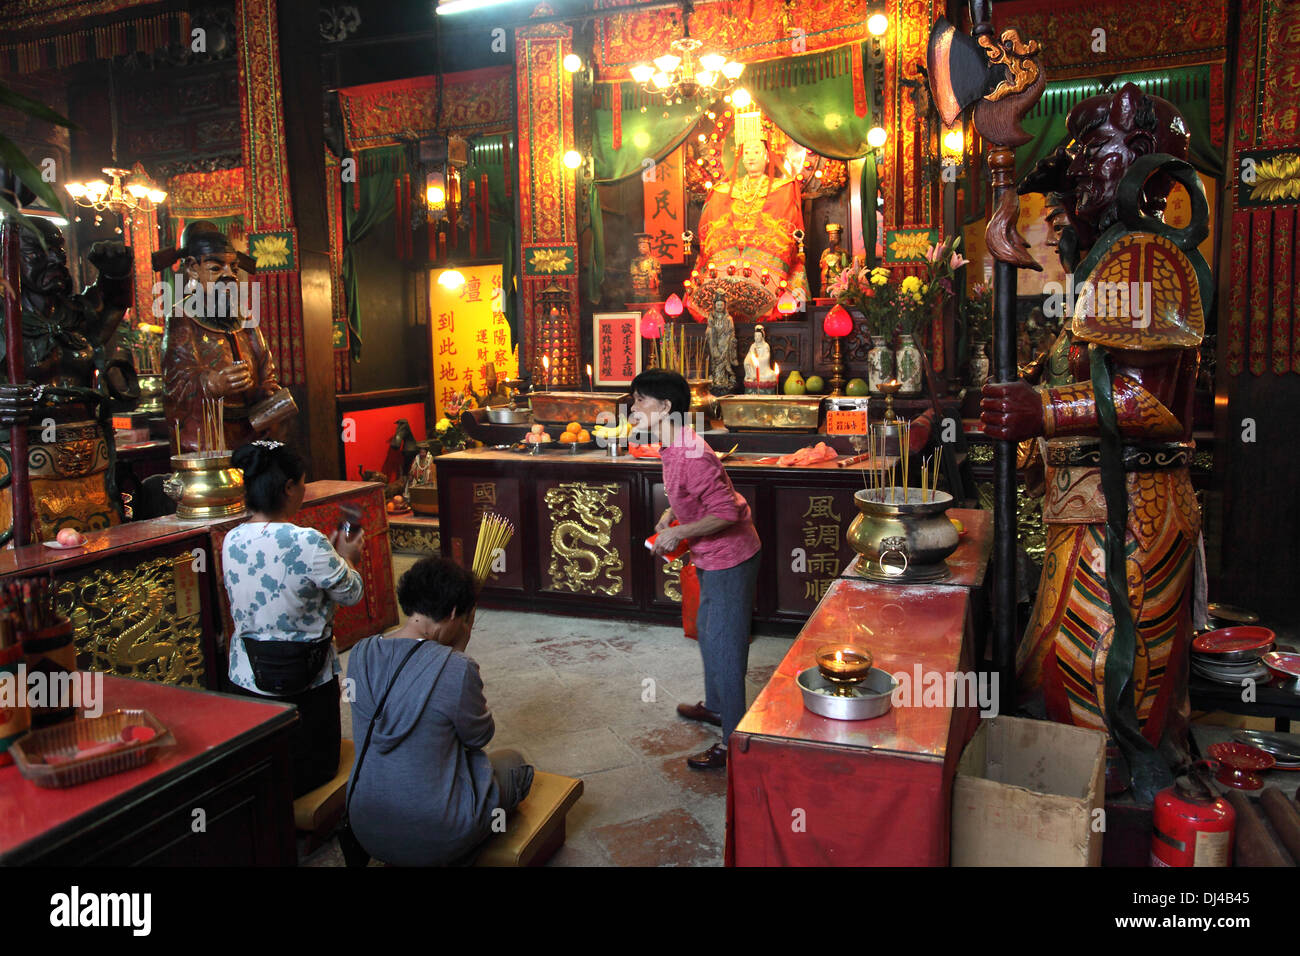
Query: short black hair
(436,586)
(666,386)
(266,472)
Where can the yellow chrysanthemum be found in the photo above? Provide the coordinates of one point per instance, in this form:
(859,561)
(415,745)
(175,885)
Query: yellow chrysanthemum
(443,425)
(911,285)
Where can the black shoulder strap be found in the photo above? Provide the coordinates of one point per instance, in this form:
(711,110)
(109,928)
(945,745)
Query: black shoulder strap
(379,709)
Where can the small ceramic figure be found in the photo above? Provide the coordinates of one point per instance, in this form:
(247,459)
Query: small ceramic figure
(645,271)
(760,378)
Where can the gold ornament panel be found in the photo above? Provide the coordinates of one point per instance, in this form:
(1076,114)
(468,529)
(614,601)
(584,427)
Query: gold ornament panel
(141,621)
(588,543)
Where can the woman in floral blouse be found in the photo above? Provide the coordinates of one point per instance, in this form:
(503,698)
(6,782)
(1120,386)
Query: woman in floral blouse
(283,581)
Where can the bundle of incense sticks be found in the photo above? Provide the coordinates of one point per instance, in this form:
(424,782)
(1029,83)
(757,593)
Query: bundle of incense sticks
(494,534)
(28,607)
(212,431)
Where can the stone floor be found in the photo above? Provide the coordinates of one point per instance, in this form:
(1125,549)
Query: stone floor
(597,699)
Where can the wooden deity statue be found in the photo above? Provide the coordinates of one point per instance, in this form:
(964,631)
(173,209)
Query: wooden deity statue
(645,271)
(834,260)
(720,336)
(79,379)
(213,347)
(760,377)
(1107,645)
(751,235)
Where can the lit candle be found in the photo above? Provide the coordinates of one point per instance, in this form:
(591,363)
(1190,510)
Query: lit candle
(591,386)
(546,371)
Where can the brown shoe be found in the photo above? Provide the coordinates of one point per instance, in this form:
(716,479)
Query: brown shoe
(715,758)
(699,712)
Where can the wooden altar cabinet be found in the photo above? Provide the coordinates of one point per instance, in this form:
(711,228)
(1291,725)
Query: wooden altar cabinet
(804,790)
(147,598)
(582,521)
(231,759)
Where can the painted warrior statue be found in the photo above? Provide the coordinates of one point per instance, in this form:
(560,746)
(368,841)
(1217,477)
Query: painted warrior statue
(213,347)
(1108,639)
(645,270)
(751,235)
(80,378)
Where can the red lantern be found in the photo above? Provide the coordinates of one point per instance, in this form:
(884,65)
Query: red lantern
(652,324)
(786,305)
(838,323)
(673,306)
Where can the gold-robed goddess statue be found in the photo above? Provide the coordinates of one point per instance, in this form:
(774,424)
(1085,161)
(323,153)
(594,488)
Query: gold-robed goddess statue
(751,234)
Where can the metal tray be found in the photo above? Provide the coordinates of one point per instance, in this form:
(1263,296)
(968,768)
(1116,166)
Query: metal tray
(784,412)
(872,698)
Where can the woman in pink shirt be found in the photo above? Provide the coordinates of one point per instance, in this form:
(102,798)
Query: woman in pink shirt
(716,523)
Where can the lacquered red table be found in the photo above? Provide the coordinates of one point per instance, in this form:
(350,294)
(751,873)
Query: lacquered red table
(805,790)
(230,763)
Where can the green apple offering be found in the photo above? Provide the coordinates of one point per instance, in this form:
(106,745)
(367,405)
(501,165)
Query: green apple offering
(794,385)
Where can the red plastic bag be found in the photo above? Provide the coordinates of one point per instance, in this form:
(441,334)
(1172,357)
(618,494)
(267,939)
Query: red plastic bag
(690,599)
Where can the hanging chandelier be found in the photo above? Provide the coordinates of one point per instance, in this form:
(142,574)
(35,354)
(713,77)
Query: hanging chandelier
(684,73)
(118,197)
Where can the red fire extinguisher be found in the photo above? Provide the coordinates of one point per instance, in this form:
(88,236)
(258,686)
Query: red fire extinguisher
(1193,825)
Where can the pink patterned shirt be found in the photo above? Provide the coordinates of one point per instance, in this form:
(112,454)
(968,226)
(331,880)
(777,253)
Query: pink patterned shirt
(697,485)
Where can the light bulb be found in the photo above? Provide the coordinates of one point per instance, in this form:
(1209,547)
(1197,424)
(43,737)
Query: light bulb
(741,98)
(953,140)
(667,63)
(877,24)
(573,159)
(138,191)
(661,80)
(713,61)
(573,63)
(435,195)
(732,70)
(76,190)
(642,72)
(876,137)
(156,196)
(706,77)
(451,279)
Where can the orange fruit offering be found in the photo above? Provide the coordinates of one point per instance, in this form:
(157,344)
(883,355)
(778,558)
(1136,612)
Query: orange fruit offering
(573,427)
(584,436)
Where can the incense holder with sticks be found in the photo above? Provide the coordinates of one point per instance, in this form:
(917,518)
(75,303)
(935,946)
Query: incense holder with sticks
(903,535)
(205,485)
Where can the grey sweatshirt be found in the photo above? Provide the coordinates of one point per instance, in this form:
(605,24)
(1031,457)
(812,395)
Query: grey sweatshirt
(426,792)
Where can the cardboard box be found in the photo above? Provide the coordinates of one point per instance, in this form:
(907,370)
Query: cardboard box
(1026,794)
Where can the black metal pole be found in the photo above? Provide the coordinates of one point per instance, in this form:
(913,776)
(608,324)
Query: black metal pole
(1002,169)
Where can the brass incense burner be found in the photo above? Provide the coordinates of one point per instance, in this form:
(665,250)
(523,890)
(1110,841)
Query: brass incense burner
(205,485)
(903,534)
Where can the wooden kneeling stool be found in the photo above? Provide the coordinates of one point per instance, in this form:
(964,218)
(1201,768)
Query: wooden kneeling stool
(536,829)
(317,812)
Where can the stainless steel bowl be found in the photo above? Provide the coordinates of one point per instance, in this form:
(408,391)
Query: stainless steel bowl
(510,416)
(871,698)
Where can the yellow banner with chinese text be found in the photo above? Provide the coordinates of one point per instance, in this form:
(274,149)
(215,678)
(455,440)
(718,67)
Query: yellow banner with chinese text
(469,333)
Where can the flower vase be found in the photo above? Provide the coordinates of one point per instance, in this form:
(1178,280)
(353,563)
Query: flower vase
(880,364)
(907,360)
(979,364)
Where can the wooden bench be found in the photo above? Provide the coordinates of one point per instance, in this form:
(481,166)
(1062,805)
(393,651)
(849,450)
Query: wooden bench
(317,812)
(536,829)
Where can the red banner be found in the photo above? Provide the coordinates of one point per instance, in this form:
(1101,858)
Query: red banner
(617,343)
(665,207)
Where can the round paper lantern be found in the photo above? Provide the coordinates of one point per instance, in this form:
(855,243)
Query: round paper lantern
(786,305)
(838,323)
(652,324)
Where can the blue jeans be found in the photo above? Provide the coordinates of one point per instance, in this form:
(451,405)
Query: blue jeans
(722,628)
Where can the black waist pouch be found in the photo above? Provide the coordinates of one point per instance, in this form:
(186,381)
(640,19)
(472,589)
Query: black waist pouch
(286,668)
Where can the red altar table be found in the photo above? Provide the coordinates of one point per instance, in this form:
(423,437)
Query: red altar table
(231,760)
(804,790)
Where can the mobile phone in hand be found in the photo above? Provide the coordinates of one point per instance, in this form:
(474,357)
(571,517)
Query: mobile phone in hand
(351,520)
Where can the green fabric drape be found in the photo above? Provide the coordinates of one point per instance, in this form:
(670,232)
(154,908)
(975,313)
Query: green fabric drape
(810,98)
(374,189)
(1187,88)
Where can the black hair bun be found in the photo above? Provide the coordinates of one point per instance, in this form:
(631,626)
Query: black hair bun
(253,459)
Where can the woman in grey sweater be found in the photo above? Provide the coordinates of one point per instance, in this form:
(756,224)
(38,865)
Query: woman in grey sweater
(428,794)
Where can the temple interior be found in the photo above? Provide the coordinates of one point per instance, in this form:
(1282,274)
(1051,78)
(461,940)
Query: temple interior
(864,427)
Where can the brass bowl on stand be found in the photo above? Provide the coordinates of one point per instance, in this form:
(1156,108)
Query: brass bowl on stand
(205,485)
(702,399)
(902,535)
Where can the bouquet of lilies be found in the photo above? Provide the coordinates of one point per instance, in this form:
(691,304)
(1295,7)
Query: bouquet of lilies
(918,295)
(978,311)
(867,289)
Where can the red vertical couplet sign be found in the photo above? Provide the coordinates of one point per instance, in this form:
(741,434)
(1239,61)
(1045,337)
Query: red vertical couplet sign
(665,207)
(618,356)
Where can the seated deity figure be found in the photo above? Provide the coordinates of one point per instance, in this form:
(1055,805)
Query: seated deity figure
(751,235)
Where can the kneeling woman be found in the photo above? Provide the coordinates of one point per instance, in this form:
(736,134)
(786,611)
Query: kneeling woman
(423,791)
(283,581)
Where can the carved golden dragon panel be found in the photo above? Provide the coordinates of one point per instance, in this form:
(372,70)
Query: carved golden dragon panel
(583,558)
